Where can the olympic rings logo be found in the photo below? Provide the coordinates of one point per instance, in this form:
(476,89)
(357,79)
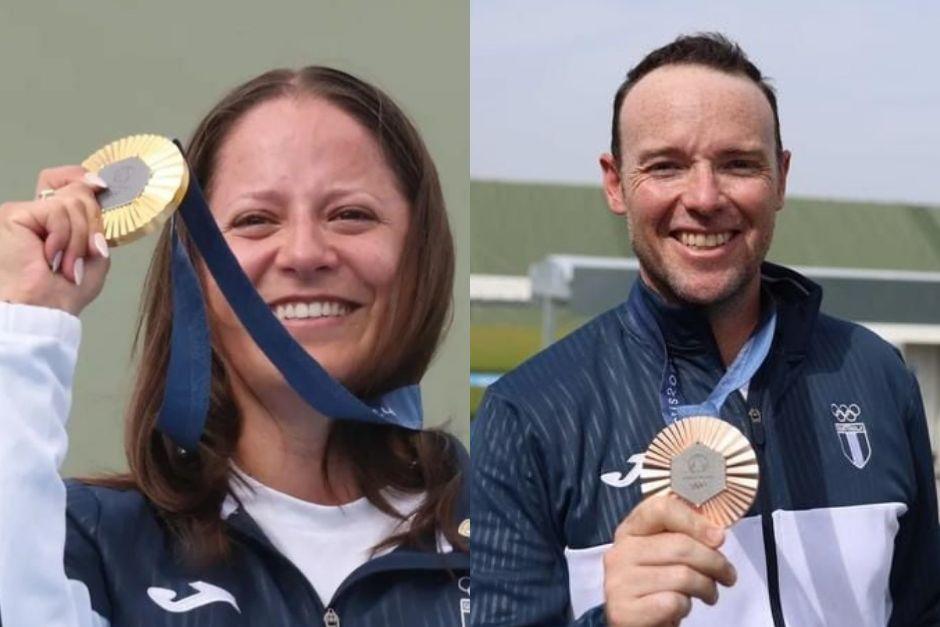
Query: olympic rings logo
(845,413)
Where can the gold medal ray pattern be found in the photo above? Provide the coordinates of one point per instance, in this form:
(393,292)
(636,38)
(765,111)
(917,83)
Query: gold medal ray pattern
(148,178)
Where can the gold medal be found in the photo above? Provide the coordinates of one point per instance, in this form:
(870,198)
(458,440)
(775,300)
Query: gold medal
(708,463)
(147,179)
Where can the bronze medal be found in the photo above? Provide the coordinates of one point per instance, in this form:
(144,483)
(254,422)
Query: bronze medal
(708,463)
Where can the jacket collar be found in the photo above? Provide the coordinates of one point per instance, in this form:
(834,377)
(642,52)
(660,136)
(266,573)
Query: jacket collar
(241,522)
(685,328)
(798,300)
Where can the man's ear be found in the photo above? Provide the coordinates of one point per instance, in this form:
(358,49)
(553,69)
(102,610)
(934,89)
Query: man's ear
(613,190)
(783,169)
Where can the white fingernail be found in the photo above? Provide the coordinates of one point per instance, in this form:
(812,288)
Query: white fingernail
(102,245)
(93,179)
(79,270)
(56,262)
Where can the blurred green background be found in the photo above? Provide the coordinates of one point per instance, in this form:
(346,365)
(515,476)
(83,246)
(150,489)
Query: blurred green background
(76,75)
(516,224)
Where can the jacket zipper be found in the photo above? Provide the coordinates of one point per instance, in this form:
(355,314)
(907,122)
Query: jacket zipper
(756,425)
(331,618)
(248,528)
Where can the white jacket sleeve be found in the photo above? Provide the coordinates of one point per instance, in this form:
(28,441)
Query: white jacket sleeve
(38,351)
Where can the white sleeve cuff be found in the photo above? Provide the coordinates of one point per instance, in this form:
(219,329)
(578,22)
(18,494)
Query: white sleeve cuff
(39,321)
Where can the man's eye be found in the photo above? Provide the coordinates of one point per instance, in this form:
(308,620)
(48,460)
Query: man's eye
(742,165)
(663,167)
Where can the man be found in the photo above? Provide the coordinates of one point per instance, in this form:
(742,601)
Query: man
(561,530)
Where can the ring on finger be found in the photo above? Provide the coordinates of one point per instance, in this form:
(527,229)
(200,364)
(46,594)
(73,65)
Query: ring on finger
(45,193)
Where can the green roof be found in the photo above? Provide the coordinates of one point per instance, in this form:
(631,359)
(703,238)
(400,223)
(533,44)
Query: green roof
(516,224)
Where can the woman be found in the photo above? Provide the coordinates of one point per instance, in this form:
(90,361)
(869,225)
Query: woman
(331,204)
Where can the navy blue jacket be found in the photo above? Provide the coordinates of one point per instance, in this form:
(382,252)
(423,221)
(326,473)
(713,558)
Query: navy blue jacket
(844,530)
(119,548)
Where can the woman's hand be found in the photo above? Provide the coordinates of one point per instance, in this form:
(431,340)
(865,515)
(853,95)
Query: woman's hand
(52,250)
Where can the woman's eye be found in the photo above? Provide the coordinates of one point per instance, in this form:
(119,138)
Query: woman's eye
(355,214)
(250,220)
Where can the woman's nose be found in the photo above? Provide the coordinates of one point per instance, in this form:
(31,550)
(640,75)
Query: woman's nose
(307,249)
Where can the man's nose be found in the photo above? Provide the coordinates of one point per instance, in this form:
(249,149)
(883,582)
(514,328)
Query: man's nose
(307,249)
(703,191)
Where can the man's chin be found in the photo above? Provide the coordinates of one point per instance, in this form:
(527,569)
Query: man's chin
(709,291)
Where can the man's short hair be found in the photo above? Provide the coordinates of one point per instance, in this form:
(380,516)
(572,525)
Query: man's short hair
(712,50)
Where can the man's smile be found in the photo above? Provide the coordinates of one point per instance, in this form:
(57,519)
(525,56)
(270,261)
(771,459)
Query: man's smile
(705,244)
(698,240)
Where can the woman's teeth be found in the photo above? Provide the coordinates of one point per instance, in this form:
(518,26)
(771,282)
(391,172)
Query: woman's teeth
(701,240)
(301,311)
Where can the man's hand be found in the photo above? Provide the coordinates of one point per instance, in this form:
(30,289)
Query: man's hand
(664,554)
(52,251)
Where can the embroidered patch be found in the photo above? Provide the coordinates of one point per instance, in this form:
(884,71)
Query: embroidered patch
(618,479)
(853,436)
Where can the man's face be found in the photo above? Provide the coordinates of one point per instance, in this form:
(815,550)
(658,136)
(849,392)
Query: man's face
(699,181)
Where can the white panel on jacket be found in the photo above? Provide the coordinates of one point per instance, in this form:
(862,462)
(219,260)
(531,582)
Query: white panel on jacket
(833,564)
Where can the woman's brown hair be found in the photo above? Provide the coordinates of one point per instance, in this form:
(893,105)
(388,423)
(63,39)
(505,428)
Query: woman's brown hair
(188,489)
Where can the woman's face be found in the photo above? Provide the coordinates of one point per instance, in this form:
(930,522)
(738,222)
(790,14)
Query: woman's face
(314,215)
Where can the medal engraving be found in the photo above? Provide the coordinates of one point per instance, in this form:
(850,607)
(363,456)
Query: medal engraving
(697,474)
(705,461)
(126,181)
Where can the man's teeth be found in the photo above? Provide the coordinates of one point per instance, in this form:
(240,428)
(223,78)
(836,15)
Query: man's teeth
(318,309)
(701,240)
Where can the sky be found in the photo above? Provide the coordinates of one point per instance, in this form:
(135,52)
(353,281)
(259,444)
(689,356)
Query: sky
(858,84)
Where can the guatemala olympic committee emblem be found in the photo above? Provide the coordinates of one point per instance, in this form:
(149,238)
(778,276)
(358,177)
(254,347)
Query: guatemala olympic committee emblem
(853,437)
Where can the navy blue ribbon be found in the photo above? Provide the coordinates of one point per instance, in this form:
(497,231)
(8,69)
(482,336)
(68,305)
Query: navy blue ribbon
(186,401)
(738,374)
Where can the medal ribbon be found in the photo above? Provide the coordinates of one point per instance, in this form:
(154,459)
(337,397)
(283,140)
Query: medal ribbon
(741,370)
(186,400)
